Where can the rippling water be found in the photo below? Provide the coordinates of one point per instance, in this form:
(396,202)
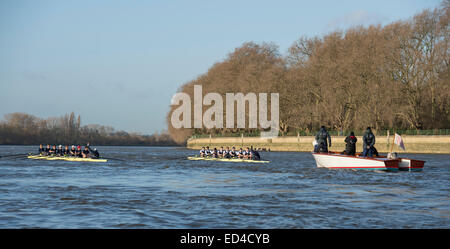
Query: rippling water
(157,187)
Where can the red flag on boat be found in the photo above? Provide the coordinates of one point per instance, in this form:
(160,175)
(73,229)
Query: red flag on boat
(399,141)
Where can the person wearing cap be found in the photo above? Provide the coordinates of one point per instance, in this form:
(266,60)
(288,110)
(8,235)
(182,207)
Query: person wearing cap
(78,152)
(59,151)
(95,153)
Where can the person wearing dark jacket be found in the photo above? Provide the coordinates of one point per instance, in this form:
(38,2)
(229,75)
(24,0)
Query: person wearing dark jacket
(93,152)
(322,137)
(368,143)
(255,155)
(41,149)
(350,144)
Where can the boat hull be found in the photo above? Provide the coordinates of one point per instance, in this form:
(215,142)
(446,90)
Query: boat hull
(407,164)
(339,161)
(72,159)
(234,160)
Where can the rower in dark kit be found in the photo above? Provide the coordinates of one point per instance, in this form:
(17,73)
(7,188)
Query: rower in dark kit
(78,153)
(41,149)
(52,151)
(85,153)
(73,151)
(66,150)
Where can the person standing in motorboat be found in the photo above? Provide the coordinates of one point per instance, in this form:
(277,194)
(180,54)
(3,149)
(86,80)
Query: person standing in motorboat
(322,137)
(368,143)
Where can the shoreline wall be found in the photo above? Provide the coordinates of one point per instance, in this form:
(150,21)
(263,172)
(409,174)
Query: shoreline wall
(413,143)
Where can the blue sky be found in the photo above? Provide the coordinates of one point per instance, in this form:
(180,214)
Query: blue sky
(118,63)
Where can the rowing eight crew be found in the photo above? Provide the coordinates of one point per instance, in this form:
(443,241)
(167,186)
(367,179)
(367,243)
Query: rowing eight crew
(233,153)
(52,150)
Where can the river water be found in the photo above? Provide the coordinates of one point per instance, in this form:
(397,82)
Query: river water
(156,187)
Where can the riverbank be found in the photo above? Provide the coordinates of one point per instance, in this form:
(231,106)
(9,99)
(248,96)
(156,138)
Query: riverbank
(413,143)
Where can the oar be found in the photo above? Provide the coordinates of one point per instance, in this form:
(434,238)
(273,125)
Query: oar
(110,158)
(14,155)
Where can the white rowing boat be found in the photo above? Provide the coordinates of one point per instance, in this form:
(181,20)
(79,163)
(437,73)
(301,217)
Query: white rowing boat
(234,160)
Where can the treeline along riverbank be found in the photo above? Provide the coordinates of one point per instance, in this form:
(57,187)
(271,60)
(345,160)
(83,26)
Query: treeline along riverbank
(26,129)
(394,76)
(413,143)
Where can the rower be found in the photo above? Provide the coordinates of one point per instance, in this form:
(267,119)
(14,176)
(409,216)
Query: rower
(66,151)
(73,151)
(207,151)
(52,151)
(78,153)
(47,150)
(59,151)
(214,153)
(232,152)
(226,153)
(220,152)
(41,149)
(240,153)
(85,152)
(247,154)
(202,152)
